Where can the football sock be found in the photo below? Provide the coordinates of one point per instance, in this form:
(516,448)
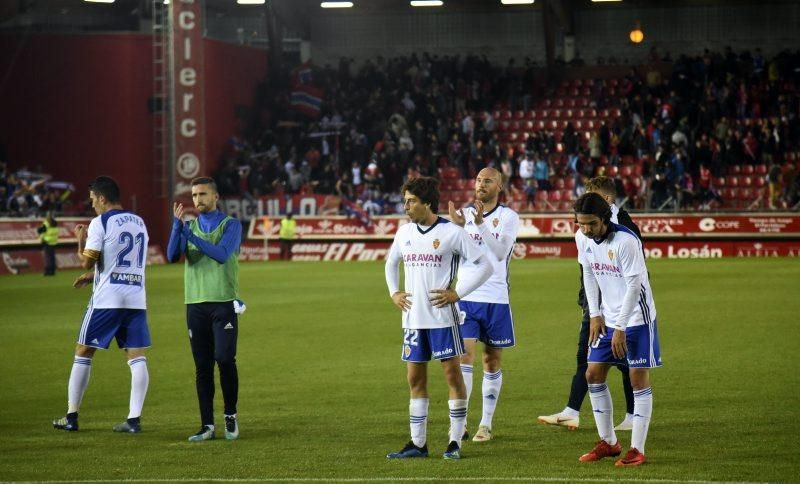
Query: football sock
(418,420)
(570,412)
(491,392)
(78,381)
(603,411)
(458,419)
(140,378)
(642,410)
(466,371)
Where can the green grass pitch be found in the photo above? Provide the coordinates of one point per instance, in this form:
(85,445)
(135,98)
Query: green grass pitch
(323,393)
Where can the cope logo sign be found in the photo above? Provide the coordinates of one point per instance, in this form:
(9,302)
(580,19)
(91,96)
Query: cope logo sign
(710,224)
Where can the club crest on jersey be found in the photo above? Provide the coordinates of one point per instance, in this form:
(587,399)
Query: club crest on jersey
(406,350)
(436,243)
(496,222)
(610,254)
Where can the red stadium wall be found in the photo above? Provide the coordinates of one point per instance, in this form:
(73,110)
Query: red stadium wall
(76,106)
(232,75)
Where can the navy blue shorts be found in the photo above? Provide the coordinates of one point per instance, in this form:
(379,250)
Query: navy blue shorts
(643,348)
(488,322)
(128,326)
(421,345)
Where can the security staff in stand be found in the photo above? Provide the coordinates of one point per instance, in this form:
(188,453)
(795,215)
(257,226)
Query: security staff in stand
(49,236)
(286,236)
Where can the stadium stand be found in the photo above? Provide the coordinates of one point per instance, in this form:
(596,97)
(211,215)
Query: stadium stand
(652,130)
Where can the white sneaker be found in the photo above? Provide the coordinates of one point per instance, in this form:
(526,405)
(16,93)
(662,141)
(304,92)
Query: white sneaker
(483,434)
(626,424)
(567,421)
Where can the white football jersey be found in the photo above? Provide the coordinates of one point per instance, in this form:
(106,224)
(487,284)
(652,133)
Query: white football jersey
(502,223)
(430,261)
(617,256)
(120,237)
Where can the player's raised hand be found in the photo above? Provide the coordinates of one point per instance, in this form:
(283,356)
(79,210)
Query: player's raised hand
(597,329)
(83,280)
(177,209)
(80,232)
(618,345)
(442,297)
(400,299)
(456,217)
(478,212)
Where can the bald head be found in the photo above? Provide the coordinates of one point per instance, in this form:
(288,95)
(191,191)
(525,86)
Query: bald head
(488,185)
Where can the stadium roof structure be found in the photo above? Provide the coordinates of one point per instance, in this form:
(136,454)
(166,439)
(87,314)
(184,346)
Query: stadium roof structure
(83,16)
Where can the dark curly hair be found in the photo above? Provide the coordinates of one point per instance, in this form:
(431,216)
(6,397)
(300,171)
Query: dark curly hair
(426,189)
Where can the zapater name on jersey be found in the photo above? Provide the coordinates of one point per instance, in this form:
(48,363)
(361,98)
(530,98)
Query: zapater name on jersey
(616,256)
(430,257)
(502,223)
(120,238)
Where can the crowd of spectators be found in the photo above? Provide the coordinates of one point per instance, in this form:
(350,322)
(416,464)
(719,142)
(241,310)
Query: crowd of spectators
(24,193)
(391,119)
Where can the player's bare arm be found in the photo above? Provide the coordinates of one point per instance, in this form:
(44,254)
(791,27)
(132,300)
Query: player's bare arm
(83,280)
(87,261)
(177,210)
(618,345)
(400,299)
(443,297)
(455,216)
(597,329)
(478,212)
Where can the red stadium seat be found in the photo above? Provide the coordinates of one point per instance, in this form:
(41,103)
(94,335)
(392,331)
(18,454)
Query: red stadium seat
(450,172)
(745,194)
(735,170)
(458,197)
(761,169)
(759,181)
(732,181)
(554,196)
(570,184)
(748,169)
(519,114)
(518,206)
(469,184)
(745,181)
(612,171)
(566,195)
(720,182)
(729,194)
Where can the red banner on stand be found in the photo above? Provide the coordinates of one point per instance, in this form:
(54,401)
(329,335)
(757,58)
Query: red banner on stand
(744,226)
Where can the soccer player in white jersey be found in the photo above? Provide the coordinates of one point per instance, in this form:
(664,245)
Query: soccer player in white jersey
(430,249)
(115,245)
(487,314)
(622,327)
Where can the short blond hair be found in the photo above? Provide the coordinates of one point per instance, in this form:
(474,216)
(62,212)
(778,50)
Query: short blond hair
(603,185)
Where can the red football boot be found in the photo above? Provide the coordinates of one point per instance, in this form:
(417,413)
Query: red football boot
(632,458)
(601,449)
